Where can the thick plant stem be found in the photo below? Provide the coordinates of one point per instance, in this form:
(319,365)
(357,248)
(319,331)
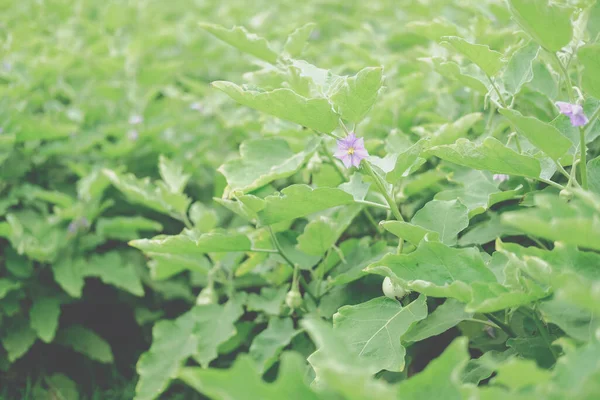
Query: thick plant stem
(583,158)
(507,329)
(388,198)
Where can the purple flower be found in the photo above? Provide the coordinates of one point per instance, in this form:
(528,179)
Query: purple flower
(351,150)
(574,112)
(501,177)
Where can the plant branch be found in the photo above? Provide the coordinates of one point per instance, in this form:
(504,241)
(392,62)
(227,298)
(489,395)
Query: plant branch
(507,329)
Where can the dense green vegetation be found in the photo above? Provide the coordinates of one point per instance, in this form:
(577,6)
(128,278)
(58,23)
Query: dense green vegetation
(314,200)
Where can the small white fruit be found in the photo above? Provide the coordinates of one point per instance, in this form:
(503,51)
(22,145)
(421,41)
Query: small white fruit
(293,299)
(391,289)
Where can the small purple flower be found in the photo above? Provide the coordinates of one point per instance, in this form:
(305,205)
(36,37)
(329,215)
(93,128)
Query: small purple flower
(574,112)
(501,177)
(351,150)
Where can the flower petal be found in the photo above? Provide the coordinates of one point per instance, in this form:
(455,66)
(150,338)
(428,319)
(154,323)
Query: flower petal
(564,108)
(342,144)
(347,160)
(361,153)
(578,119)
(341,153)
(356,160)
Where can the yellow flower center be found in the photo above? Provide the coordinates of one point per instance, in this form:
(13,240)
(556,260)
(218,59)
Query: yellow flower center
(351,150)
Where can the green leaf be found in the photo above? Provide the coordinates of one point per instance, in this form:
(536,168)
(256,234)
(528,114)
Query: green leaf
(357,255)
(243,40)
(7,285)
(573,223)
(483,367)
(155,196)
(43,317)
(547,24)
(577,322)
(450,132)
(590,59)
(410,232)
(313,113)
(488,60)
(576,375)
(86,342)
(61,387)
(269,301)
(112,270)
(447,218)
(189,244)
(519,70)
(322,233)
(441,377)
(443,318)
(243,381)
(126,228)
(298,201)
(17,338)
(593,167)
(214,326)
(490,297)
(297,40)
(404,162)
(172,343)
(172,174)
(68,273)
(355,95)
(373,329)
(517,374)
(544,136)
(263,161)
(436,270)
(491,155)
(338,368)
(469,76)
(267,346)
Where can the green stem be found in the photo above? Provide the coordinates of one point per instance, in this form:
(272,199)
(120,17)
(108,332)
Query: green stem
(551,183)
(507,329)
(383,191)
(264,251)
(372,204)
(566,76)
(388,198)
(583,158)
(500,97)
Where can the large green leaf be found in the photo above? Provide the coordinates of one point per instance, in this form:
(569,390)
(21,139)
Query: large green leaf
(410,232)
(43,317)
(268,344)
(17,338)
(544,136)
(298,201)
(577,322)
(87,342)
(593,167)
(314,113)
(447,218)
(172,343)
(491,155)
(573,223)
(322,233)
(548,24)
(244,382)
(243,40)
(297,40)
(188,243)
(443,318)
(355,95)
(263,161)
(469,76)
(519,70)
(441,377)
(589,57)
(373,329)
(436,270)
(488,60)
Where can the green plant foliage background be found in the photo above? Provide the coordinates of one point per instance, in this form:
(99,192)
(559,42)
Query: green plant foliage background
(173,223)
